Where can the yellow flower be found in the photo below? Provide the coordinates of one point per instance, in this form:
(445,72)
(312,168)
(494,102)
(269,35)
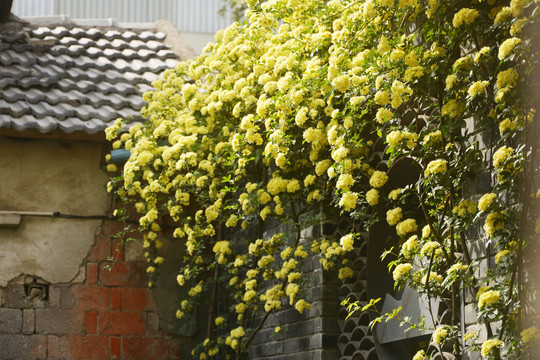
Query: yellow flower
(347,242)
(452,108)
(383,115)
(309,180)
(383,46)
(429,248)
(219,320)
(406,226)
(393,195)
(507,125)
(410,247)
(493,223)
(485,201)
(450,81)
(480,53)
(489,298)
(501,254)
(344,181)
(342,83)
(530,334)
(507,47)
(477,88)
(464,16)
(348,200)
(238,332)
(439,335)
(501,155)
(397,54)
(372,197)
(413,72)
(382,97)
(179,314)
(435,167)
(426,231)
(396,137)
(393,216)
(516,27)
(401,270)
(503,14)
(378,179)
(301,305)
(420,355)
(517,6)
(488,345)
(345,272)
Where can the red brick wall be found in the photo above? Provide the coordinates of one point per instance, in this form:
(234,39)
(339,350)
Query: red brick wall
(101,315)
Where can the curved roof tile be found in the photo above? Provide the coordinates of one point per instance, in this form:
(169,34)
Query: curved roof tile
(72,78)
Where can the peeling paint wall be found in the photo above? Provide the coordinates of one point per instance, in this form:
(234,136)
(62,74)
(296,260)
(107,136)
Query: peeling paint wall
(49,176)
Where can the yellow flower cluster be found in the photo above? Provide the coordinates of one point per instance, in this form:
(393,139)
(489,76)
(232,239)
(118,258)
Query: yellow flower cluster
(378,179)
(489,345)
(410,247)
(507,47)
(488,298)
(435,167)
(393,216)
(493,223)
(464,207)
(396,137)
(477,88)
(465,16)
(501,155)
(439,335)
(530,334)
(406,226)
(401,271)
(507,125)
(420,355)
(347,242)
(485,201)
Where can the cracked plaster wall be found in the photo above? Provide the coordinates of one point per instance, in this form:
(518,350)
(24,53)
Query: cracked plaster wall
(49,176)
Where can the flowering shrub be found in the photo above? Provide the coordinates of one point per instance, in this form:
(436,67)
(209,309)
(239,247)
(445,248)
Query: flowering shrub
(309,105)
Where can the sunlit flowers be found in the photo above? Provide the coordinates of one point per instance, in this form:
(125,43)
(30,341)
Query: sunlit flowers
(489,298)
(507,47)
(435,167)
(406,226)
(378,179)
(464,16)
(348,200)
(477,88)
(501,155)
(489,345)
(485,201)
(401,271)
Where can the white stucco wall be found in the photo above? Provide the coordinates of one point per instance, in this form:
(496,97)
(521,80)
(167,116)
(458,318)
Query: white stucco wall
(49,176)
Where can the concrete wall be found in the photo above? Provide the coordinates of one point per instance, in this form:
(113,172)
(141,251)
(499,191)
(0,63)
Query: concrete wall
(49,176)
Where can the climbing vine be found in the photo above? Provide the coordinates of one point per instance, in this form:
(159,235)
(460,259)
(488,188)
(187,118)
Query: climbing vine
(298,115)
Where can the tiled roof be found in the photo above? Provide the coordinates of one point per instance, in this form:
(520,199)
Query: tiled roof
(70,78)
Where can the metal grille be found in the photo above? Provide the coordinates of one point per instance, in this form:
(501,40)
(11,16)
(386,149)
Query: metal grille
(192,16)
